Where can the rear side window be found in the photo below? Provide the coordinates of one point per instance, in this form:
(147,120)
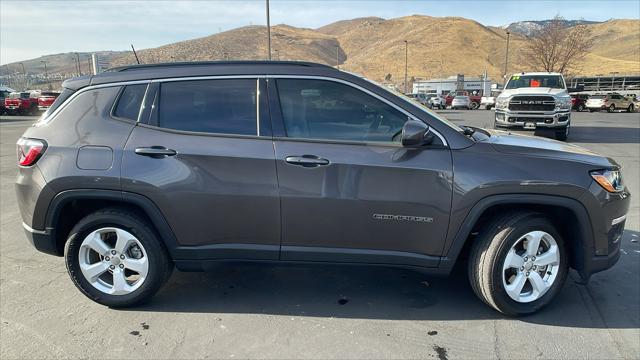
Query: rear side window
(64,95)
(226,106)
(128,106)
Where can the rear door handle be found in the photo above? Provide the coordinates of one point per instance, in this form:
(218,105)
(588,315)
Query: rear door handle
(307,160)
(157,152)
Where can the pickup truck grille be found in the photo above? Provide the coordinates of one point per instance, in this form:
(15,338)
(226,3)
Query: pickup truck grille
(532,103)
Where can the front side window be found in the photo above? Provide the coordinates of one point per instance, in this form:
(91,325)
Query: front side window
(224,106)
(128,106)
(320,109)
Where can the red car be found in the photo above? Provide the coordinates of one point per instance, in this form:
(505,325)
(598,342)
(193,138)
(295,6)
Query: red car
(474,99)
(21,103)
(46,99)
(579,101)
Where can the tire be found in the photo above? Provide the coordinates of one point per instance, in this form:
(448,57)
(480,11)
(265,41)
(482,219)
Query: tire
(151,248)
(611,108)
(580,108)
(592,110)
(488,107)
(630,108)
(474,105)
(489,254)
(563,134)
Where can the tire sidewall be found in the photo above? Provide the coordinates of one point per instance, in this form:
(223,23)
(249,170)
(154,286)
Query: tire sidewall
(510,236)
(155,253)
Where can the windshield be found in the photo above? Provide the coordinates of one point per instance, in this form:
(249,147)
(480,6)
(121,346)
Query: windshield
(595,97)
(419,106)
(548,81)
(460,98)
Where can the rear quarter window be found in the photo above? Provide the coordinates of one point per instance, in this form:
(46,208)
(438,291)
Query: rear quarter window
(96,103)
(128,104)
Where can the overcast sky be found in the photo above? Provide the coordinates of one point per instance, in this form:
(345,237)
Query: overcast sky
(29,29)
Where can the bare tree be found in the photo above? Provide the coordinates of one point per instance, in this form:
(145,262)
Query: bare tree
(558,48)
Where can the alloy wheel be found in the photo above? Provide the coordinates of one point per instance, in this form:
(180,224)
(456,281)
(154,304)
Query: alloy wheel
(113,261)
(531,266)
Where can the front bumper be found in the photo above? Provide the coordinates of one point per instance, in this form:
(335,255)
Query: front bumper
(550,119)
(608,213)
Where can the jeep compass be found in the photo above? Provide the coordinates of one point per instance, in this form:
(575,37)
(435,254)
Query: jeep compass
(144,168)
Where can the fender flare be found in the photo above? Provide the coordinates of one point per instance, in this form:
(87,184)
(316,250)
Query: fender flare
(580,254)
(158,220)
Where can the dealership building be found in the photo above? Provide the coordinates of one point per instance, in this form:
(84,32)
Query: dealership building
(473,86)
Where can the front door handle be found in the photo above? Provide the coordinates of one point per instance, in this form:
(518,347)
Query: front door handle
(307,160)
(157,152)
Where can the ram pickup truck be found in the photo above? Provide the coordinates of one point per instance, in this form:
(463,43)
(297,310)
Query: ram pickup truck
(535,100)
(21,103)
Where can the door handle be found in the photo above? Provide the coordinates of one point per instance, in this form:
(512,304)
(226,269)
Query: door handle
(307,160)
(157,152)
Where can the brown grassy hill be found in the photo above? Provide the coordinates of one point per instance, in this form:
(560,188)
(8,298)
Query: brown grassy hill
(437,47)
(246,43)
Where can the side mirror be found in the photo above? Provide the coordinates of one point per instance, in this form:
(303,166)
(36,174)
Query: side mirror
(415,134)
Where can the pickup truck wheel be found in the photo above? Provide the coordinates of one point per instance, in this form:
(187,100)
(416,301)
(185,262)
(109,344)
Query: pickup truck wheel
(474,105)
(115,259)
(580,108)
(518,263)
(563,134)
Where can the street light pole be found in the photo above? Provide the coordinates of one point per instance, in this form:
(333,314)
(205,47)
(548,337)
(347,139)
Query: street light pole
(24,74)
(406,61)
(268,33)
(46,74)
(506,56)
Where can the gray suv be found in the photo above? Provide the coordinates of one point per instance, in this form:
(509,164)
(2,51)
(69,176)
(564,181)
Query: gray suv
(137,170)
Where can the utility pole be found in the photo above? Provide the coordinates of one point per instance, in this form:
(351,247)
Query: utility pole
(268,33)
(506,58)
(406,61)
(24,74)
(277,54)
(76,58)
(46,74)
(613,77)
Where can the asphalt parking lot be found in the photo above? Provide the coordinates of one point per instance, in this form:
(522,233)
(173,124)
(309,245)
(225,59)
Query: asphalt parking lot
(253,311)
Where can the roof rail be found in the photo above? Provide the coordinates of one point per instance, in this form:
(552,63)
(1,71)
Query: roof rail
(209,63)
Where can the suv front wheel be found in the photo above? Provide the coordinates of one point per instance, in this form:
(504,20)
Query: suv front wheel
(115,258)
(518,263)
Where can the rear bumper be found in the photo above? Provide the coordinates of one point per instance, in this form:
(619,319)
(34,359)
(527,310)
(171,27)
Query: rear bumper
(42,240)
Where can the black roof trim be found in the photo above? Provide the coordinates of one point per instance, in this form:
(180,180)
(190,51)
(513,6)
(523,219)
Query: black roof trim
(209,63)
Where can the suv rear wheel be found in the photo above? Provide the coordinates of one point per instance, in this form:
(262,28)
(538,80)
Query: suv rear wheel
(518,263)
(611,108)
(630,108)
(115,258)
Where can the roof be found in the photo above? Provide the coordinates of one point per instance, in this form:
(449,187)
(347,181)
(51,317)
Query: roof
(201,68)
(536,73)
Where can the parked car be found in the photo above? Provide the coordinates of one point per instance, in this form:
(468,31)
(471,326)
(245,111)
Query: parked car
(610,102)
(438,102)
(579,102)
(3,95)
(461,102)
(537,100)
(489,101)
(46,99)
(474,100)
(21,103)
(264,161)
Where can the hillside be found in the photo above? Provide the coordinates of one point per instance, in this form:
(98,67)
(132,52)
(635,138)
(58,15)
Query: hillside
(375,47)
(527,28)
(246,43)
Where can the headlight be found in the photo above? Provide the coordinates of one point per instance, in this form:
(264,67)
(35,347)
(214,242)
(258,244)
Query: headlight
(502,103)
(563,103)
(610,180)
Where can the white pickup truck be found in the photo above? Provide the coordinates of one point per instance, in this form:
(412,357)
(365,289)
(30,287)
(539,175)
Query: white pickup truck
(535,100)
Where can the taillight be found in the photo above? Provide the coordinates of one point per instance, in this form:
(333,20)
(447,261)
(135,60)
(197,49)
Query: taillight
(30,150)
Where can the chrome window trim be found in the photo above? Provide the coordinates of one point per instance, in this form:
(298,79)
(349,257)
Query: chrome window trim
(258,107)
(358,87)
(52,116)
